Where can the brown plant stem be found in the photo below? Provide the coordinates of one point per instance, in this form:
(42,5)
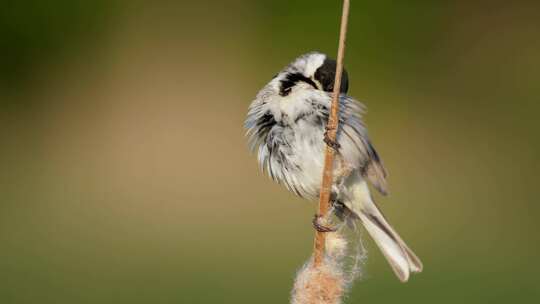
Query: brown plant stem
(332,127)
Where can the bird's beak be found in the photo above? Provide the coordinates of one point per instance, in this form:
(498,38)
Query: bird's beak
(317,83)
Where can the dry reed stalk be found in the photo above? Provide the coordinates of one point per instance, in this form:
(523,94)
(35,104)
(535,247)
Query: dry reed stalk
(332,126)
(322,279)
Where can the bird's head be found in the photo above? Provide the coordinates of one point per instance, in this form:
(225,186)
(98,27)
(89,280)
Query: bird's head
(314,70)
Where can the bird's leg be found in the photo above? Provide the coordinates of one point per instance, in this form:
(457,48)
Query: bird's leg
(339,209)
(331,143)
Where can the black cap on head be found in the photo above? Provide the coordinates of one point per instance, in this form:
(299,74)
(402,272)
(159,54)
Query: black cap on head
(326,73)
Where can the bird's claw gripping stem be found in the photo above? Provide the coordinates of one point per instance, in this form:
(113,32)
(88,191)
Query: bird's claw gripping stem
(321,227)
(331,143)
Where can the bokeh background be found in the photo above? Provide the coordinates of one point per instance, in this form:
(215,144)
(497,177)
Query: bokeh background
(125,177)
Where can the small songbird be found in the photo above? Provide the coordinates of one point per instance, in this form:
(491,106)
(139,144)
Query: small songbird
(286,127)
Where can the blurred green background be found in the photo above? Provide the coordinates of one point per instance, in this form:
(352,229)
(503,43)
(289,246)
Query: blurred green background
(125,177)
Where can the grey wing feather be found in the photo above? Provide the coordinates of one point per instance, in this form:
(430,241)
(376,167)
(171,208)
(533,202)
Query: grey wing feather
(352,125)
(265,136)
(375,172)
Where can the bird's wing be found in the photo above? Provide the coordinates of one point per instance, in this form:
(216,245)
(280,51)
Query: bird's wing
(259,121)
(352,126)
(375,171)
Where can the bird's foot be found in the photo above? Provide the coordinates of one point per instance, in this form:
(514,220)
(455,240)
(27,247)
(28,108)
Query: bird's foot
(330,142)
(320,226)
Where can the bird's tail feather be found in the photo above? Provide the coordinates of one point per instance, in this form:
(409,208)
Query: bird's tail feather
(399,255)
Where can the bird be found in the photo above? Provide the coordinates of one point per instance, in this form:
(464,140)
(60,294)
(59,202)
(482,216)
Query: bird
(286,127)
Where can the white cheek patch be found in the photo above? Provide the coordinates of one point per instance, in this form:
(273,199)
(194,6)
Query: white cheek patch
(314,62)
(309,63)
